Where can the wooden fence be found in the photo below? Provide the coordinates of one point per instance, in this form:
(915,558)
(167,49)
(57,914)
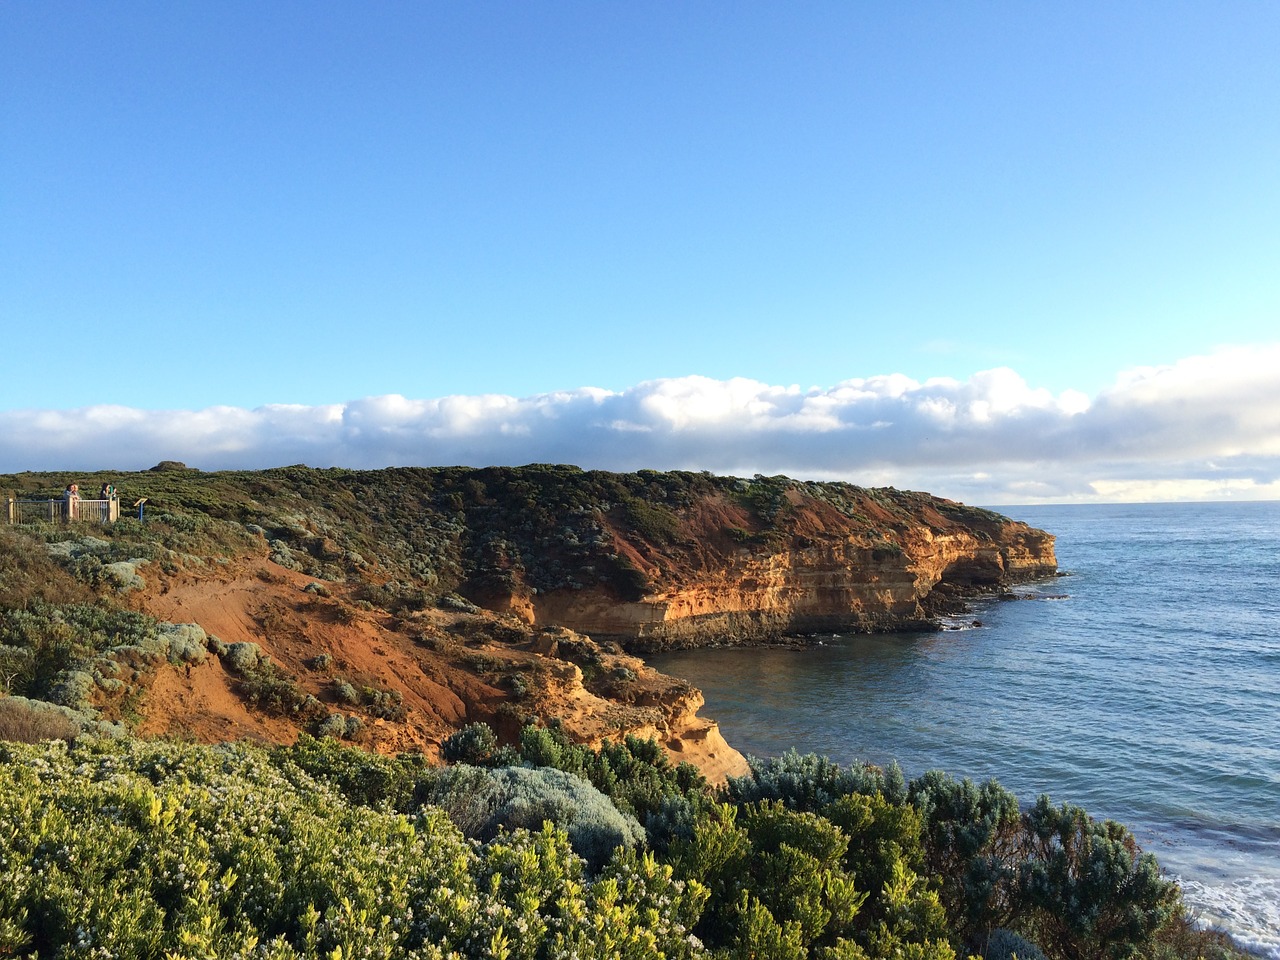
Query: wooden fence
(61,511)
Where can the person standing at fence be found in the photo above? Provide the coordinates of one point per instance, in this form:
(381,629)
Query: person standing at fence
(72,497)
(106,495)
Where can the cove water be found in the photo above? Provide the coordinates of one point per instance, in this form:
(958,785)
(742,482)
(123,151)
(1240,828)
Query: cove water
(1142,685)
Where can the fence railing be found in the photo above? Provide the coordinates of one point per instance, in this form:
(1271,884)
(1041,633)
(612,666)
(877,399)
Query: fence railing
(58,510)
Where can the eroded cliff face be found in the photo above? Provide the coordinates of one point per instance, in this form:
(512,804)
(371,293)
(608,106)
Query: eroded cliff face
(448,669)
(889,568)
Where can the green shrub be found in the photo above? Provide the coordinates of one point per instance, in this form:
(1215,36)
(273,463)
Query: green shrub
(73,688)
(150,850)
(59,637)
(776,880)
(636,774)
(383,704)
(268,688)
(653,522)
(1092,893)
(880,836)
(334,725)
(143,851)
(365,778)
(344,692)
(28,575)
(154,849)
(973,844)
(475,743)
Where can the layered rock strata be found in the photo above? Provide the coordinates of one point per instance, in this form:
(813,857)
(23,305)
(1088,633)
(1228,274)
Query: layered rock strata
(838,580)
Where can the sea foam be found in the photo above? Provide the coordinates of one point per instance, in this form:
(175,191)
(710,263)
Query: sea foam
(1249,908)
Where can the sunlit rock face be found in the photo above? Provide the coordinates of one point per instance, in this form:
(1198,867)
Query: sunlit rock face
(890,566)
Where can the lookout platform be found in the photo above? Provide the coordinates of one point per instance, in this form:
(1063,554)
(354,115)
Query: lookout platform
(60,510)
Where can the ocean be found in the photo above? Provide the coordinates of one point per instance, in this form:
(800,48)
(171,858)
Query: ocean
(1143,685)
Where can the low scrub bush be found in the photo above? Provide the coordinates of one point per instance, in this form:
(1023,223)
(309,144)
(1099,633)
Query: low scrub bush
(485,801)
(187,642)
(653,522)
(267,687)
(637,775)
(31,721)
(810,782)
(161,849)
(974,843)
(242,657)
(369,779)
(41,641)
(28,574)
(1088,890)
(383,704)
(475,743)
(1052,877)
(344,692)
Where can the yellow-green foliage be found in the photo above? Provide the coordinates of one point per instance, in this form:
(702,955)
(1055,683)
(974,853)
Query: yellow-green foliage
(164,850)
(155,850)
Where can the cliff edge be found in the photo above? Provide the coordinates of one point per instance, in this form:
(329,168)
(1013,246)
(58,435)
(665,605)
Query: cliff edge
(750,560)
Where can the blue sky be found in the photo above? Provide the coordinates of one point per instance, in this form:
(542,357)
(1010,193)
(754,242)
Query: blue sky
(245,207)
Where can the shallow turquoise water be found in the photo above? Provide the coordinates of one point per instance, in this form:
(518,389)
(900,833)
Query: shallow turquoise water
(1149,694)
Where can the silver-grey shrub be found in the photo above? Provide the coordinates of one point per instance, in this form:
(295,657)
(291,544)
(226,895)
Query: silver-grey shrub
(334,725)
(345,692)
(124,574)
(474,743)
(242,657)
(808,782)
(1007,945)
(482,801)
(73,688)
(188,643)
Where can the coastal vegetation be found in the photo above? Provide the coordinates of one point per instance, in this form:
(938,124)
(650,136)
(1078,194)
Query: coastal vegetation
(546,849)
(534,834)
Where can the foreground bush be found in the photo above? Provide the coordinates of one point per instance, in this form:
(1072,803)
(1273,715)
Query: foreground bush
(136,850)
(148,851)
(1072,887)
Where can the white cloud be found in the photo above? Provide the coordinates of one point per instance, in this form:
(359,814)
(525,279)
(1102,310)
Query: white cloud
(1205,427)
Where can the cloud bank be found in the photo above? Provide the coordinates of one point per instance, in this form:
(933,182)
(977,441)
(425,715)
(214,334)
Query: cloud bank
(1207,427)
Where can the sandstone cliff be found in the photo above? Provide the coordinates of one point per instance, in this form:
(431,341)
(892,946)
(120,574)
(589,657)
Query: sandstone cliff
(827,557)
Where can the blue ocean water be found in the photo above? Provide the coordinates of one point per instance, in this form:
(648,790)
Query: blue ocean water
(1143,685)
